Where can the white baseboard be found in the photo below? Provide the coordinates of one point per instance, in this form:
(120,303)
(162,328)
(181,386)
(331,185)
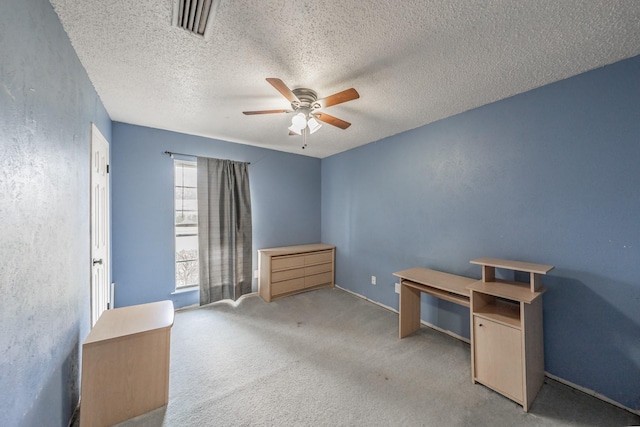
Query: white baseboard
(591,393)
(547,374)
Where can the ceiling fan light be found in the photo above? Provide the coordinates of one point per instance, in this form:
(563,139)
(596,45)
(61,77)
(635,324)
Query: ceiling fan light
(313,125)
(299,121)
(295,130)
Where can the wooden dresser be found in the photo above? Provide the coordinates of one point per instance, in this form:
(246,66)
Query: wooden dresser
(288,270)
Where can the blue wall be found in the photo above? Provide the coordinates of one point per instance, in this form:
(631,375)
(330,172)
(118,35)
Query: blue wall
(47,104)
(285,198)
(550,176)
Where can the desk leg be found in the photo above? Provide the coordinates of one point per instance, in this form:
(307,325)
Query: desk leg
(409,310)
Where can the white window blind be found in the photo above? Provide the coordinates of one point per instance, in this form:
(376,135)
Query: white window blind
(186,224)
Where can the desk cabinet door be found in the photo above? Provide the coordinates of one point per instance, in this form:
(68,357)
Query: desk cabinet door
(498,357)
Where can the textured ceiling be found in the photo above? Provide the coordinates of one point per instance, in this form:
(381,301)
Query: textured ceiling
(412,61)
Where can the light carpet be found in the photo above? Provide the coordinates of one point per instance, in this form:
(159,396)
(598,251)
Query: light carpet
(329,358)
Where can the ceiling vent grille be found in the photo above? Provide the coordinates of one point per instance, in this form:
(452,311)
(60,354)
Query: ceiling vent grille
(195,16)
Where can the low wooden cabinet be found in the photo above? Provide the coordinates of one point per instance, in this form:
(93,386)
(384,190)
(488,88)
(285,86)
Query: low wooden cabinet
(501,369)
(125,364)
(288,270)
(507,352)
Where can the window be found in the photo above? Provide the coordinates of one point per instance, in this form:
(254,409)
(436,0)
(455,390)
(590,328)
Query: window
(186,224)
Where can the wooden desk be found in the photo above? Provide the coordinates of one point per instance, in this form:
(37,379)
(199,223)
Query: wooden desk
(507,346)
(446,286)
(125,364)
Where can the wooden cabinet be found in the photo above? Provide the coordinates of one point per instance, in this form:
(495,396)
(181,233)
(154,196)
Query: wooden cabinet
(501,369)
(507,352)
(287,270)
(125,364)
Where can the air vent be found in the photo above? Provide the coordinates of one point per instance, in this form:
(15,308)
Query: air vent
(195,16)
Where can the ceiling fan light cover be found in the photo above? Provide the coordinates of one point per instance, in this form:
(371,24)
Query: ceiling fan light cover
(299,121)
(295,130)
(313,125)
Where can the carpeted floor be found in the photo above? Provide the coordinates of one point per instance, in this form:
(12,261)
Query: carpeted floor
(328,358)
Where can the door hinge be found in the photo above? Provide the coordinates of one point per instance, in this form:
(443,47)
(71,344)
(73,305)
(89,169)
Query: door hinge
(107,168)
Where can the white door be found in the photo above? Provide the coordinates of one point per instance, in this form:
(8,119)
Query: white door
(99,224)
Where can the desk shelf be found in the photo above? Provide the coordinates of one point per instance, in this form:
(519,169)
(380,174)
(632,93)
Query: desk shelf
(504,312)
(515,291)
(489,266)
(439,293)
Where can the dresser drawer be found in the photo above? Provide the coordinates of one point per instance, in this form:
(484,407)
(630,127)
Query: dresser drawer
(287,286)
(318,258)
(281,262)
(317,269)
(318,279)
(278,276)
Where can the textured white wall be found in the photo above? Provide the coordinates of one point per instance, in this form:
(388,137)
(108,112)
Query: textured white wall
(46,106)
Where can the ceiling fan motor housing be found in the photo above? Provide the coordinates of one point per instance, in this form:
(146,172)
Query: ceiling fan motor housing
(307,99)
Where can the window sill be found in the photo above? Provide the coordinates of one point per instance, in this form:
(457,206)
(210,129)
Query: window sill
(185,289)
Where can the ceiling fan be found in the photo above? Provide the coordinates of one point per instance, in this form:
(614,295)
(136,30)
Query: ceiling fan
(305,102)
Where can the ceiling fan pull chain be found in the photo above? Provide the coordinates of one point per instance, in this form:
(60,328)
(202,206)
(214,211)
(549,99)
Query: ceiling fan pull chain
(304,138)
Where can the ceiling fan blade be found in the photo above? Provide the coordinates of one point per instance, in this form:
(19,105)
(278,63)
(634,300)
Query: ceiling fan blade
(339,98)
(334,121)
(283,89)
(249,113)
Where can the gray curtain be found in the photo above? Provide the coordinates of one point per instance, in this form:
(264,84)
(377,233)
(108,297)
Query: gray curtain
(224,229)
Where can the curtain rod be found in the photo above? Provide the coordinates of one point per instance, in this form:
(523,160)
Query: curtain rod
(171,153)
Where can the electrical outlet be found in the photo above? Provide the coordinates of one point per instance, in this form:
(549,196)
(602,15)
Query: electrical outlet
(373,280)
(255,274)
(397,288)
